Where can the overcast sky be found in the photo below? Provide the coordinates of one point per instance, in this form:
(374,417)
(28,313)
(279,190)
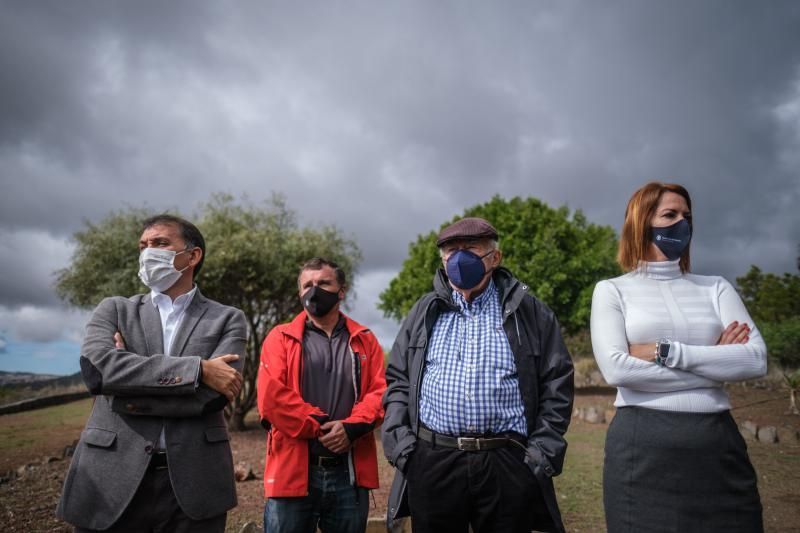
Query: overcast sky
(387,118)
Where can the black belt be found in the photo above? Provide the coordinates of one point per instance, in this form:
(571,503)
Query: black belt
(326,462)
(158,461)
(469,444)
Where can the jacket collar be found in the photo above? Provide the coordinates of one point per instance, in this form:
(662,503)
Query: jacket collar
(193,313)
(510,289)
(297,326)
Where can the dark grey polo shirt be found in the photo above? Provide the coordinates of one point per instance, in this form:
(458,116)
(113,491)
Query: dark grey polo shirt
(328,374)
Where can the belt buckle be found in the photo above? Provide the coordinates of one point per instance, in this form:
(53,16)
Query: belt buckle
(468,444)
(159,461)
(327,462)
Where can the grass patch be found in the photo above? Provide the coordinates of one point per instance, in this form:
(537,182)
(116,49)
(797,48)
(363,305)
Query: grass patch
(579,488)
(48,428)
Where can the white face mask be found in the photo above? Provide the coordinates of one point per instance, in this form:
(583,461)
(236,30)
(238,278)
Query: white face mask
(157,268)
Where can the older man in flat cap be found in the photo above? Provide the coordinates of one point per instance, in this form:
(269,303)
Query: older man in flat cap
(479,397)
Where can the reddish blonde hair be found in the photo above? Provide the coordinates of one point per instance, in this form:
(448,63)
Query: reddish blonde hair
(634,244)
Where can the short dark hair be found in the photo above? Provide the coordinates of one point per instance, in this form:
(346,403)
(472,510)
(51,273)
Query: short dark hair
(189,233)
(318,263)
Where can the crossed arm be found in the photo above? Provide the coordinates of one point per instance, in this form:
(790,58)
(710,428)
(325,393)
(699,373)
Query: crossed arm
(739,353)
(160,385)
(216,373)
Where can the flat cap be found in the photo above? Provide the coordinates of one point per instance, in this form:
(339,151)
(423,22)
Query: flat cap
(469,228)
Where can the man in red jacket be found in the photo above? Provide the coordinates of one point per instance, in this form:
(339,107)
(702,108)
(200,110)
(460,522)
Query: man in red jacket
(319,392)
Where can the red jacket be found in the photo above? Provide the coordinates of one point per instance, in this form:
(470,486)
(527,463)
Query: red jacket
(280,401)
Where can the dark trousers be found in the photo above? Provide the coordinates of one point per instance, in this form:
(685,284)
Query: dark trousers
(449,490)
(155,509)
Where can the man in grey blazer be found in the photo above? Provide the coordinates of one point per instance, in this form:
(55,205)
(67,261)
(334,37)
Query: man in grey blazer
(155,453)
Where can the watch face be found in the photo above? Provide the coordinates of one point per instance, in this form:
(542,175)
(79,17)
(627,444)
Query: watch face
(663,350)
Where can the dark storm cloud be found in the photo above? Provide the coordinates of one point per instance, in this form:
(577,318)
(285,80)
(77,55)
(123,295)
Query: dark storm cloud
(27,261)
(390,118)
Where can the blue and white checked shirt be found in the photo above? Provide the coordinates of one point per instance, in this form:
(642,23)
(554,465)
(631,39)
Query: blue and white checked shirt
(470,384)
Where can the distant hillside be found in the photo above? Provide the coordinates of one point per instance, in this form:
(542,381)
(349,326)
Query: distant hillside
(16,386)
(24,378)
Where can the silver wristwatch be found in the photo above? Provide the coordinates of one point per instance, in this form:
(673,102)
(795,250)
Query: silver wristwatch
(662,352)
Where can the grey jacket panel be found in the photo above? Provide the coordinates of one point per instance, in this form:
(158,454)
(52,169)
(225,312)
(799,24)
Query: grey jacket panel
(545,374)
(139,391)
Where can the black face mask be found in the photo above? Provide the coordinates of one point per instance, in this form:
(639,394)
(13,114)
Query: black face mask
(318,302)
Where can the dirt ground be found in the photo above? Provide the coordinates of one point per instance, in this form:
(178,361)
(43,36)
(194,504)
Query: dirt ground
(27,502)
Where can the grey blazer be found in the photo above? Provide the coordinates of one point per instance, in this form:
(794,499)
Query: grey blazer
(138,391)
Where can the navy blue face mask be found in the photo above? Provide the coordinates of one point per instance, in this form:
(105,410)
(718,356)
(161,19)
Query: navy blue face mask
(673,240)
(465,269)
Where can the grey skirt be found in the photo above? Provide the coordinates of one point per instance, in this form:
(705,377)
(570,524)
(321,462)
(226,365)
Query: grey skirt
(678,472)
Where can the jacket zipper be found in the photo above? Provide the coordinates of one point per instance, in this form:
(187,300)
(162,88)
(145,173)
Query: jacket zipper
(356,386)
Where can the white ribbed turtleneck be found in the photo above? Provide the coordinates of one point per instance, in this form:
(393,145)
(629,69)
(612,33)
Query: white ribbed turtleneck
(657,301)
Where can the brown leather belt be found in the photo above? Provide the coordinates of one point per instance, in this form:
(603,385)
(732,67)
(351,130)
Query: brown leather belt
(468,444)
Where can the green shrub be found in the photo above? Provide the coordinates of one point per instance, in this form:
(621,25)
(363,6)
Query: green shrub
(783,341)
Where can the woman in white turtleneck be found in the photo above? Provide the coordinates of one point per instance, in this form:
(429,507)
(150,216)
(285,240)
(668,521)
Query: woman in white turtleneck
(668,340)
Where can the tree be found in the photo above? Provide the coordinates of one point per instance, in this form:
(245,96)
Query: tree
(253,254)
(769,297)
(105,260)
(559,256)
(774,303)
(783,341)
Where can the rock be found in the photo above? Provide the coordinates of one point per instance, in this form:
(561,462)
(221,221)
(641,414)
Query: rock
(594,415)
(251,527)
(787,435)
(610,414)
(749,427)
(746,435)
(23,470)
(50,459)
(596,378)
(768,435)
(243,472)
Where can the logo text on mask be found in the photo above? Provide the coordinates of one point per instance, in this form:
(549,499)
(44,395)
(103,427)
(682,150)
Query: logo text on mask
(673,240)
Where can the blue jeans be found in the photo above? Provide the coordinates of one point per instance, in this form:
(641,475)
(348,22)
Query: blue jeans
(332,504)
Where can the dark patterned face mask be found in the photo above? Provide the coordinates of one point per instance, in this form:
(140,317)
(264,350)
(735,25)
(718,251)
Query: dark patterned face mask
(673,240)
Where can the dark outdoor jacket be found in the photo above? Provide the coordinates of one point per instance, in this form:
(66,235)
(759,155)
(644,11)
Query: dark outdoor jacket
(545,378)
